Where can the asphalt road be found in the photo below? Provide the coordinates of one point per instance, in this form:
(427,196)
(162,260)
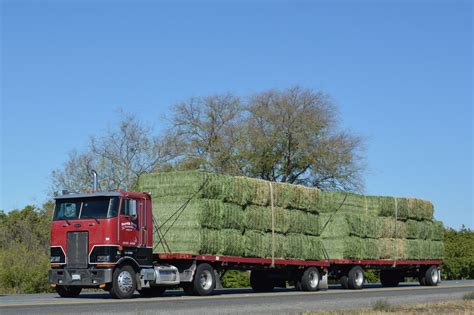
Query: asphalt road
(234,301)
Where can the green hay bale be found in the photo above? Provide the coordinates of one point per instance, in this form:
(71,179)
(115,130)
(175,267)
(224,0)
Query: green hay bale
(302,222)
(436,250)
(393,228)
(259,244)
(199,212)
(303,247)
(352,248)
(260,219)
(419,229)
(420,209)
(232,242)
(437,231)
(421,249)
(343,202)
(340,225)
(393,248)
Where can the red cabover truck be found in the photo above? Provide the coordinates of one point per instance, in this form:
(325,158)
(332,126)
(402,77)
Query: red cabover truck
(104,240)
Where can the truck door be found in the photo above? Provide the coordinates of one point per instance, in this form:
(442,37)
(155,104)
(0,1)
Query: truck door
(130,234)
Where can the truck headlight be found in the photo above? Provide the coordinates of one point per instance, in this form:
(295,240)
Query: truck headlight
(103,258)
(55,259)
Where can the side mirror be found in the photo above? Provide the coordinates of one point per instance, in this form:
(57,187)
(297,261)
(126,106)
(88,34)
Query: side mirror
(133,208)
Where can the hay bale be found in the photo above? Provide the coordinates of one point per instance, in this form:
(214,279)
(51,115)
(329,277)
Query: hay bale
(339,225)
(302,222)
(259,244)
(260,219)
(437,231)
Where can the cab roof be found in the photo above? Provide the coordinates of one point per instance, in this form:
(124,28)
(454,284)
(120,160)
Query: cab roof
(90,195)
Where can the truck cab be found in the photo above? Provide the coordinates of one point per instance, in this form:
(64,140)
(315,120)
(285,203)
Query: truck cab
(94,233)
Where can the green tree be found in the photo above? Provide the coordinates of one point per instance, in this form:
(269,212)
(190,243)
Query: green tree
(458,253)
(24,249)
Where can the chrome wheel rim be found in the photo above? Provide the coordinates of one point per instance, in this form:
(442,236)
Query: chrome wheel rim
(359,279)
(434,275)
(125,281)
(313,279)
(206,280)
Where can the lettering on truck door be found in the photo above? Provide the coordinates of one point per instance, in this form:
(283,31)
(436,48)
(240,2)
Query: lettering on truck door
(129,223)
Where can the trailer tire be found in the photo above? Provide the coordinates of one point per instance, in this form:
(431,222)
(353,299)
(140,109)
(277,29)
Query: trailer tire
(204,281)
(124,282)
(422,280)
(389,278)
(152,292)
(356,278)
(68,291)
(260,282)
(344,281)
(432,276)
(309,280)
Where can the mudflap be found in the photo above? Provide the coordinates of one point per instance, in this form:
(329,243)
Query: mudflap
(323,283)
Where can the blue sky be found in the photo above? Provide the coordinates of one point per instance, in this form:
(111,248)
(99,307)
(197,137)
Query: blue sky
(400,72)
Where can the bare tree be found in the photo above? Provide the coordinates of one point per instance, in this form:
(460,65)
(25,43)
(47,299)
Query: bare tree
(290,136)
(207,130)
(120,156)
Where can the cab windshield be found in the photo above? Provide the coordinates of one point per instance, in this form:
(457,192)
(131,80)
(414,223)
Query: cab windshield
(86,208)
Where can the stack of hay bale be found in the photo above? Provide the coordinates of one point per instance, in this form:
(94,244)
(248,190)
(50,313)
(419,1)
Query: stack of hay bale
(205,213)
(372,227)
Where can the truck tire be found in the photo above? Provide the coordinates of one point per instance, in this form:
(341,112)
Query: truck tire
(124,282)
(422,280)
(344,281)
(152,292)
(309,280)
(432,276)
(68,291)
(355,278)
(260,282)
(204,281)
(389,278)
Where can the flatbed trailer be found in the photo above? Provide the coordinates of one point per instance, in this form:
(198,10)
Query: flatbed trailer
(105,240)
(349,272)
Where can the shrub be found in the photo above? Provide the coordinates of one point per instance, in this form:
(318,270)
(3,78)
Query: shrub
(383,306)
(468,296)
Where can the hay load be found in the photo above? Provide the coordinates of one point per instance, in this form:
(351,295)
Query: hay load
(206,213)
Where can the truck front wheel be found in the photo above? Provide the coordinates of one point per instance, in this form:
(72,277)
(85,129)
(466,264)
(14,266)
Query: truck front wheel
(124,282)
(68,291)
(203,283)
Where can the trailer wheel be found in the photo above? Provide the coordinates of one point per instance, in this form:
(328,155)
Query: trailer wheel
(124,282)
(152,292)
(344,281)
(260,282)
(356,278)
(432,276)
(203,283)
(389,278)
(422,280)
(68,291)
(309,280)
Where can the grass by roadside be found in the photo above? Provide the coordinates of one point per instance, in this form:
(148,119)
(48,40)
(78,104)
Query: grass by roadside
(465,306)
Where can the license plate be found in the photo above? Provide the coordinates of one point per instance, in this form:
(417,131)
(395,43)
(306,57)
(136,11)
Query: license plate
(76,277)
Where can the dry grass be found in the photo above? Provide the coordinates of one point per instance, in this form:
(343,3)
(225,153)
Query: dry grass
(452,307)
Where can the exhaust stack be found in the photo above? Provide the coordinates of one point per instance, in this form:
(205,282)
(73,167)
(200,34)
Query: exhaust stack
(94,185)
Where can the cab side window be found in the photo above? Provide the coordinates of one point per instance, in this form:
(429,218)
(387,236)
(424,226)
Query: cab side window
(129,207)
